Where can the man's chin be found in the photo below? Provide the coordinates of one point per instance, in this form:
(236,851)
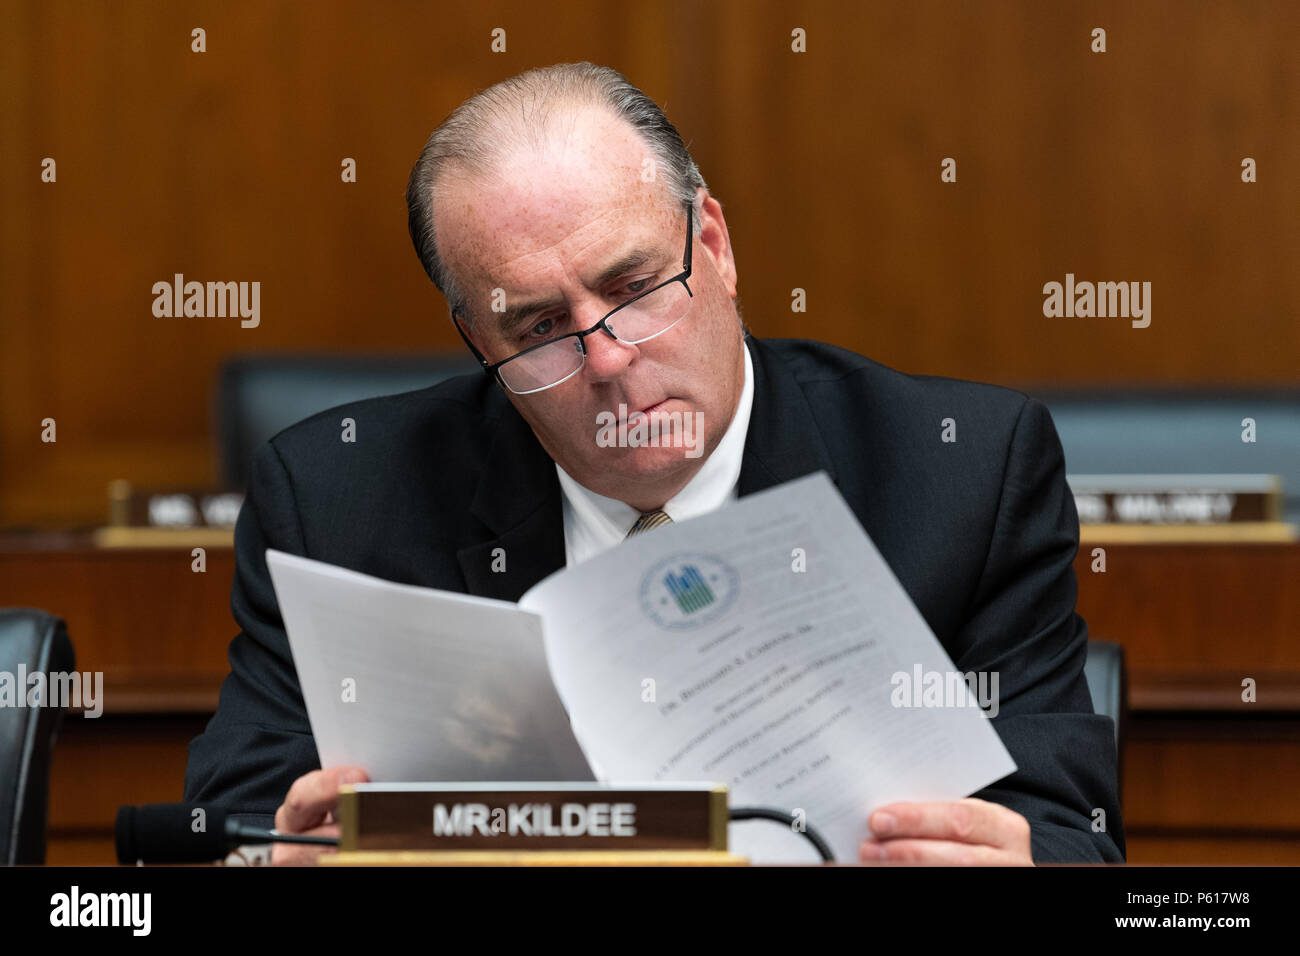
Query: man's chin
(645,465)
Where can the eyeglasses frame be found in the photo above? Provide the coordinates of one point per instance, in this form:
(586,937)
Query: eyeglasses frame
(493,369)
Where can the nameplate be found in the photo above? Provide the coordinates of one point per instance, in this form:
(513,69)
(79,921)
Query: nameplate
(1176,499)
(189,507)
(532,816)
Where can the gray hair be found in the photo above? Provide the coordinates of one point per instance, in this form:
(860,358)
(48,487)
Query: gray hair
(518,109)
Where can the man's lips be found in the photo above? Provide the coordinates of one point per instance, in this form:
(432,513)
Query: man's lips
(647,410)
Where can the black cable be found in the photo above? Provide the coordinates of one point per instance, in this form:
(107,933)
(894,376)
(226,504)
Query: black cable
(781,816)
(249,836)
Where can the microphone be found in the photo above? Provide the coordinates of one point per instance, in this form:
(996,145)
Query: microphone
(190,833)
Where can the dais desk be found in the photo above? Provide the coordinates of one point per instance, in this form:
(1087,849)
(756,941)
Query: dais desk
(1208,777)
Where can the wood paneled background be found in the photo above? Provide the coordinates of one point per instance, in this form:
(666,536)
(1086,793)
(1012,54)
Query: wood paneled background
(225,165)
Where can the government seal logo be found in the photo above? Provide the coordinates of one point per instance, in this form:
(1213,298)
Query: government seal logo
(688,590)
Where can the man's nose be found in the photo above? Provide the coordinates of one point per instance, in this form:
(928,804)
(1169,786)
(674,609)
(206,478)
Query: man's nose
(607,357)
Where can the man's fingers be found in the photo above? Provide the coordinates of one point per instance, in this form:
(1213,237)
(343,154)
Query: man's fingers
(313,797)
(963,821)
(291,854)
(933,853)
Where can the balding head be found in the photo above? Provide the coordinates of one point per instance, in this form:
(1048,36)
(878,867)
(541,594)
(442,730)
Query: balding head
(530,115)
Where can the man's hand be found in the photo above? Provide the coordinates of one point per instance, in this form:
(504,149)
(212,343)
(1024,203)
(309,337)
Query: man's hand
(309,808)
(968,832)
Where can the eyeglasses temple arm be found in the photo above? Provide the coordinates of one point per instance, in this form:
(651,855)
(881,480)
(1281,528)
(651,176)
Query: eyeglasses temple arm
(482,360)
(690,215)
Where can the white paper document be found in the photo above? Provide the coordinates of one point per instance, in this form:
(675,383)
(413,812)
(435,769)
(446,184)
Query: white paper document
(762,646)
(415,684)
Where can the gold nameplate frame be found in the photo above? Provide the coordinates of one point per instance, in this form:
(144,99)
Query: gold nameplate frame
(468,818)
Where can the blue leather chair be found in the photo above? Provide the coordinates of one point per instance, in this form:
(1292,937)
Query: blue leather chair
(1107,679)
(258,396)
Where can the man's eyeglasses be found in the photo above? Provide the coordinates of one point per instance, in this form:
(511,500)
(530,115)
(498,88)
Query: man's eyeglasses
(639,319)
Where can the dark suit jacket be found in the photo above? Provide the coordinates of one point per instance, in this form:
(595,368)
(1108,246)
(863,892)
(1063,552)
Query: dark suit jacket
(982,533)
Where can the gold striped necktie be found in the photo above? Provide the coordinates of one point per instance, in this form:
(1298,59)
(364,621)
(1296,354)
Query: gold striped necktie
(651,519)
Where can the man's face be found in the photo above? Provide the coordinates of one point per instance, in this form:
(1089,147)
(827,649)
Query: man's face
(546,228)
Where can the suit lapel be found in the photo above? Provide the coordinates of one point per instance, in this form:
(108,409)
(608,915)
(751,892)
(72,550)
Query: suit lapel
(519,501)
(784,441)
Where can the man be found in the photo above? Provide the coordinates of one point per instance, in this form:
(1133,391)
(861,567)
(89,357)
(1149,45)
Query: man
(591,273)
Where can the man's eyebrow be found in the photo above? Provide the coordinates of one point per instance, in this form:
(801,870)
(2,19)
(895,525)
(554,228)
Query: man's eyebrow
(516,315)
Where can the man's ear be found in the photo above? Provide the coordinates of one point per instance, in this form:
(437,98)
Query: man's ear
(716,241)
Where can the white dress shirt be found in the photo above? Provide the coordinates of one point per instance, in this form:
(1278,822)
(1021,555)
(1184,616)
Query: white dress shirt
(594,523)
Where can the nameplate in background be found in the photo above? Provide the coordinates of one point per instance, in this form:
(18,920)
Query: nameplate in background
(1176,499)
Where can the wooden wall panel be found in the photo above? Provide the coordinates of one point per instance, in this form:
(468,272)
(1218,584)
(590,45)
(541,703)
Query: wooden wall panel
(225,166)
(100,765)
(158,630)
(1196,620)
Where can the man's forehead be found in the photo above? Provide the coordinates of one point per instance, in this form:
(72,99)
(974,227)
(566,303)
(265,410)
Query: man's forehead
(589,180)
(508,236)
